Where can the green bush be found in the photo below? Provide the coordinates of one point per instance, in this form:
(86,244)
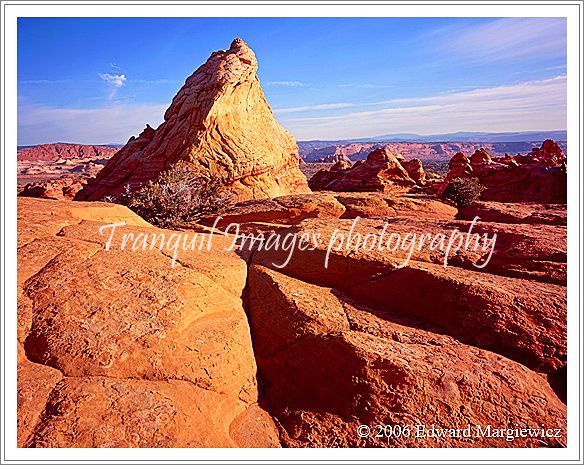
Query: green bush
(464,191)
(178,196)
(433,175)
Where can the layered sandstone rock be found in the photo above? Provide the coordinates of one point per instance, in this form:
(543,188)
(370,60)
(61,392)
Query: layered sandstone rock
(533,251)
(537,177)
(324,179)
(288,209)
(380,369)
(480,157)
(550,153)
(459,167)
(119,349)
(293,209)
(65,188)
(221,124)
(341,165)
(415,169)
(378,205)
(517,213)
(493,307)
(383,171)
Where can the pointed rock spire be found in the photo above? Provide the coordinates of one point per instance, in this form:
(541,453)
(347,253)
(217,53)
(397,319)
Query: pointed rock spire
(221,124)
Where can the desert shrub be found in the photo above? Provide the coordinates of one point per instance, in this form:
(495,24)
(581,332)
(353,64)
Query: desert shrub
(432,175)
(464,191)
(178,196)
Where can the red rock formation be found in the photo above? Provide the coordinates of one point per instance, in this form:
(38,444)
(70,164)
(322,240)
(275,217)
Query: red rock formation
(380,369)
(480,157)
(383,171)
(324,179)
(288,209)
(118,349)
(516,213)
(54,152)
(374,205)
(341,165)
(292,209)
(549,153)
(60,189)
(459,167)
(493,308)
(333,153)
(342,160)
(506,160)
(537,177)
(415,169)
(221,124)
(426,151)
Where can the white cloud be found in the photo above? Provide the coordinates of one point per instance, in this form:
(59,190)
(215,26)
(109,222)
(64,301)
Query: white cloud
(287,84)
(532,105)
(503,39)
(39,124)
(322,106)
(521,90)
(116,80)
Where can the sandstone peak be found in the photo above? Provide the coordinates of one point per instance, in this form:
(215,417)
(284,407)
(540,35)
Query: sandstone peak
(458,158)
(239,44)
(480,156)
(383,155)
(220,123)
(550,153)
(341,165)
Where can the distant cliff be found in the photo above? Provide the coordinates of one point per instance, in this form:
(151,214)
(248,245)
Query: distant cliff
(323,151)
(54,152)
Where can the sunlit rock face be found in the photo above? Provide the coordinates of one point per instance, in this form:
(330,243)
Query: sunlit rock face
(221,124)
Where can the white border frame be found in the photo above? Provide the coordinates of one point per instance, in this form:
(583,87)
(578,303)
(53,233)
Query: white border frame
(572,10)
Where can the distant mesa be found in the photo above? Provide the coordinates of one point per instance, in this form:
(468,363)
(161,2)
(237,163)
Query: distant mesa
(328,151)
(221,124)
(63,151)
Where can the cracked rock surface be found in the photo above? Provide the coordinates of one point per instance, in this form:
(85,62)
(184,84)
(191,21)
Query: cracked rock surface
(117,348)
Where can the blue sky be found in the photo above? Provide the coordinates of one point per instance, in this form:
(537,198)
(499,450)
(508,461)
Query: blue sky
(100,80)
